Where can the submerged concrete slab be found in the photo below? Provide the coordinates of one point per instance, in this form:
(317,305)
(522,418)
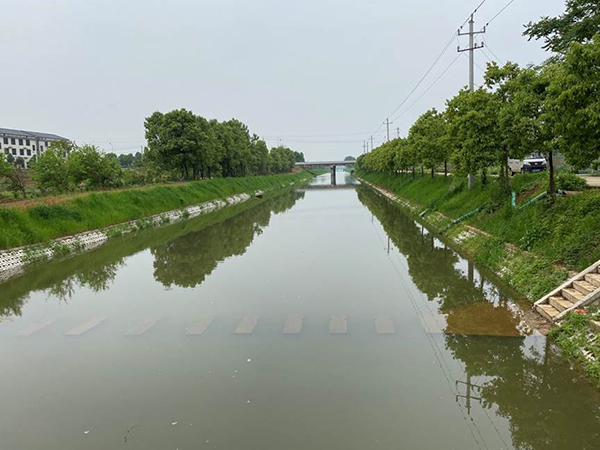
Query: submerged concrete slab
(431,324)
(247,325)
(385,325)
(338,325)
(141,327)
(293,324)
(86,326)
(199,327)
(35,327)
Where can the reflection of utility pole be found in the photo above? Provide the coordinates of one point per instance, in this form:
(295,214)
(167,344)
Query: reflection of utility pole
(468,397)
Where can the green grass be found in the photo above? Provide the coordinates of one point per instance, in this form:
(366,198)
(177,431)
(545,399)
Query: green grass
(97,210)
(572,336)
(566,233)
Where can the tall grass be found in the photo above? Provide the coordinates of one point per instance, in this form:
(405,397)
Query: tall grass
(97,210)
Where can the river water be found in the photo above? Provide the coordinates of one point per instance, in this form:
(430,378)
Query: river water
(424,350)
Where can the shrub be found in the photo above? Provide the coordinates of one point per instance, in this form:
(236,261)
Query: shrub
(570,182)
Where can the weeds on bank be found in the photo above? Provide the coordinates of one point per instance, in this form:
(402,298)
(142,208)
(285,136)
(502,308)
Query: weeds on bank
(575,336)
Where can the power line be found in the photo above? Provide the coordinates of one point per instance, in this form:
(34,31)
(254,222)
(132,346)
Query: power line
(492,52)
(500,12)
(429,88)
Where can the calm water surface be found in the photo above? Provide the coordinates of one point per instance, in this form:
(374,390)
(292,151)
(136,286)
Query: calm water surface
(461,371)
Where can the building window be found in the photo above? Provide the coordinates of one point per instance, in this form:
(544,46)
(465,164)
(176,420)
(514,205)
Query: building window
(27,142)
(28,152)
(12,141)
(21,152)
(34,146)
(20,141)
(14,151)
(6,140)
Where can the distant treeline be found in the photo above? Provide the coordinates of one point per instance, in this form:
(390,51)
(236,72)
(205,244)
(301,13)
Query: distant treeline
(201,148)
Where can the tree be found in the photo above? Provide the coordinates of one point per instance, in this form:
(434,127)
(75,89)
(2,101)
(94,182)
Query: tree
(472,120)
(573,105)
(89,166)
(580,23)
(51,171)
(349,158)
(427,136)
(299,156)
(173,139)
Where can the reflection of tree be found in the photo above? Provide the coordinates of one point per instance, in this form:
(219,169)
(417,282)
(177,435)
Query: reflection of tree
(188,260)
(433,269)
(97,269)
(548,405)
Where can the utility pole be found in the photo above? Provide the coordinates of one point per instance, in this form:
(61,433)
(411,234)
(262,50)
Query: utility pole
(471,49)
(371,142)
(398,132)
(387,123)
(365,146)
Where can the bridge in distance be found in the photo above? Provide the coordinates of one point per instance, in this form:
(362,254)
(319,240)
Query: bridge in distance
(331,164)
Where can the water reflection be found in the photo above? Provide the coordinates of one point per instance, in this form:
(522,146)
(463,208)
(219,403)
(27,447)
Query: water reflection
(473,308)
(520,378)
(187,260)
(185,254)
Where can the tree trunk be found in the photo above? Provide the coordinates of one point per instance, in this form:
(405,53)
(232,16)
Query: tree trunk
(432,171)
(413,171)
(446,168)
(422,170)
(483,176)
(552,183)
(504,178)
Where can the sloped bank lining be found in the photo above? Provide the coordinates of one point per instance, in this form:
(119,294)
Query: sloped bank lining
(13,262)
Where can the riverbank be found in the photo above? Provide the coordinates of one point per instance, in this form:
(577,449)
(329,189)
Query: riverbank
(14,261)
(558,239)
(42,223)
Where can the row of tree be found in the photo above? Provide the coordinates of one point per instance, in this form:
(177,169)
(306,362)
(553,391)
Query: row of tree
(181,145)
(547,108)
(198,148)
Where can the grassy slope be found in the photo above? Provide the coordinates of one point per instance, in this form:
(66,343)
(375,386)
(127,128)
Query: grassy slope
(566,233)
(42,223)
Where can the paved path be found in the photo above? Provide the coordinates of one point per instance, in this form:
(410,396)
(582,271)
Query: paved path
(593,181)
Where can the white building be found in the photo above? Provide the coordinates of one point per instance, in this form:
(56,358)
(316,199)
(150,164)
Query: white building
(25,144)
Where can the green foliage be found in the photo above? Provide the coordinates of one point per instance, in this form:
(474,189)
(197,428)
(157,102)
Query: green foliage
(574,103)
(179,141)
(98,210)
(572,336)
(570,182)
(579,23)
(51,171)
(428,139)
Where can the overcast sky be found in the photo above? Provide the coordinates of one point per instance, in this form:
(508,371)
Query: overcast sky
(321,75)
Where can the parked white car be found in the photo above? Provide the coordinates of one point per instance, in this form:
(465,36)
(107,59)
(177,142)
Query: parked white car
(532,163)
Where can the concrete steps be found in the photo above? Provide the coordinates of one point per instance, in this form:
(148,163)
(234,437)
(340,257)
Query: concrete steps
(581,290)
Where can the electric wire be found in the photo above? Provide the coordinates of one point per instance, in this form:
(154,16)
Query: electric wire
(500,12)
(429,88)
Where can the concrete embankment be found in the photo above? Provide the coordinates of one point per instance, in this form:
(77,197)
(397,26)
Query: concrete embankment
(13,261)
